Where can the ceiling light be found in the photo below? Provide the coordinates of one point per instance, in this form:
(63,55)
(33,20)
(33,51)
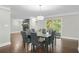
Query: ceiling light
(40,18)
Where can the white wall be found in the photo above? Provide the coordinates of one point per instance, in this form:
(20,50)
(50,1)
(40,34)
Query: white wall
(4,25)
(16,25)
(70,26)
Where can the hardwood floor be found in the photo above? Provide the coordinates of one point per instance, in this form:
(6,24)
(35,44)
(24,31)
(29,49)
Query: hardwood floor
(69,45)
(63,45)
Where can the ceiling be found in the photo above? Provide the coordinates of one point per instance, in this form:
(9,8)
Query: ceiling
(19,12)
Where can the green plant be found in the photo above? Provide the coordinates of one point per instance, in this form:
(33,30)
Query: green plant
(54,24)
(57,25)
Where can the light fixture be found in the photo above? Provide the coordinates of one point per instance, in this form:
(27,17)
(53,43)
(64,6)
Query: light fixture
(40,17)
(40,9)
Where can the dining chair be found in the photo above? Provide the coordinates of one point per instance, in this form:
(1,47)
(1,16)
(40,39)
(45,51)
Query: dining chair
(25,40)
(34,41)
(24,36)
(51,40)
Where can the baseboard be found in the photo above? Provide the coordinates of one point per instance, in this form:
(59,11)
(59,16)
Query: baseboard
(78,49)
(70,37)
(15,32)
(4,44)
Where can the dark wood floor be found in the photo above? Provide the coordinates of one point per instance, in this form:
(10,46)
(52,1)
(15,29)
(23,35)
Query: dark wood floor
(67,45)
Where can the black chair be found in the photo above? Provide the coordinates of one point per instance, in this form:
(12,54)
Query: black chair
(34,41)
(46,44)
(24,36)
(49,40)
(52,38)
(26,39)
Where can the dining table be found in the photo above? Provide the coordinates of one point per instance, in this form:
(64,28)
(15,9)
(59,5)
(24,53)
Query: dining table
(44,37)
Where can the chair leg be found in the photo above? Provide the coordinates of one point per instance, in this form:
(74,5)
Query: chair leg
(49,48)
(33,48)
(52,46)
(26,47)
(30,47)
(46,48)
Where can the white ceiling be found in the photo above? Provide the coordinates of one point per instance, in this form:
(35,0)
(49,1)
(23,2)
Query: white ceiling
(18,12)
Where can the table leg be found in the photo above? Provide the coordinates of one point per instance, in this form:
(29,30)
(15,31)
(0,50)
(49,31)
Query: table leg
(46,44)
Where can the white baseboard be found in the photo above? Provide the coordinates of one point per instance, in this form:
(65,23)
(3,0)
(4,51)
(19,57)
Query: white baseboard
(16,32)
(78,49)
(4,44)
(70,37)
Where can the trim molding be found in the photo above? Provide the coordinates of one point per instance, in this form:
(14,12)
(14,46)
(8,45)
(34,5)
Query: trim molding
(5,8)
(16,32)
(64,14)
(70,37)
(4,44)
(78,49)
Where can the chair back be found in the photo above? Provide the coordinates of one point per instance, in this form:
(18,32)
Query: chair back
(52,37)
(24,36)
(34,39)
